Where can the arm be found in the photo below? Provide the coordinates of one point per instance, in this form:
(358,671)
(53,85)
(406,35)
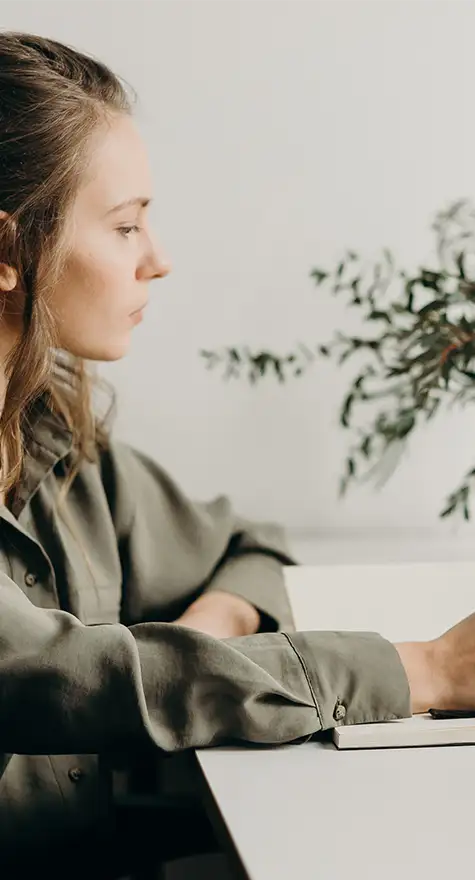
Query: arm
(67,688)
(221,610)
(176,552)
(221,615)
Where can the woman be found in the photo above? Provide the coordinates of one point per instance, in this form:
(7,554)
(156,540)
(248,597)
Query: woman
(129,615)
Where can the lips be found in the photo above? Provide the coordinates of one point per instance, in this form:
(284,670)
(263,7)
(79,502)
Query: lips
(137,316)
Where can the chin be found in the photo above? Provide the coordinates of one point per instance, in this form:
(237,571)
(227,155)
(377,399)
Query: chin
(111,352)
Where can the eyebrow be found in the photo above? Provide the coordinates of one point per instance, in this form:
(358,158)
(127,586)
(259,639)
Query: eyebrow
(143,201)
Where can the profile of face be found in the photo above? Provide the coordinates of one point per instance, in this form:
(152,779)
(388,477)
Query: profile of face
(113,257)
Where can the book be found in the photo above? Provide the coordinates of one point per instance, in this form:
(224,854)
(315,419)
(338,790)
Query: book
(420,730)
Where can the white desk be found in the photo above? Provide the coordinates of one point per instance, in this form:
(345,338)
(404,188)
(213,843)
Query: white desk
(310,812)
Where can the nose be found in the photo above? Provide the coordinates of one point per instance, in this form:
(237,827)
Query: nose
(154,264)
(161,266)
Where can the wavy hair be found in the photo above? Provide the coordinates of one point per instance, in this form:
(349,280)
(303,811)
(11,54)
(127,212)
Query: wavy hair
(54,101)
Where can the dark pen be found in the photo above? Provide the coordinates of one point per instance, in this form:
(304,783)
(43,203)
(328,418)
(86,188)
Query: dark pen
(452,713)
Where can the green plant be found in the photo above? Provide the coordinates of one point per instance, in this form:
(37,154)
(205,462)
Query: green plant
(418,355)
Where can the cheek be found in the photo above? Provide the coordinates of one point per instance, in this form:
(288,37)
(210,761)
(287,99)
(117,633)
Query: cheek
(93,301)
(94,282)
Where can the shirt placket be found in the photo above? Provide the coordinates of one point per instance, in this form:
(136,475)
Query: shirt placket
(28,564)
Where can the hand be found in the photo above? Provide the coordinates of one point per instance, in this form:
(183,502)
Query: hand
(222,615)
(441,672)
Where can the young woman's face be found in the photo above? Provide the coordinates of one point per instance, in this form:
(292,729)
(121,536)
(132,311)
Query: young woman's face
(105,281)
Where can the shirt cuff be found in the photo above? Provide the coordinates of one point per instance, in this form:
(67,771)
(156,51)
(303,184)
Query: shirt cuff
(355,678)
(259,579)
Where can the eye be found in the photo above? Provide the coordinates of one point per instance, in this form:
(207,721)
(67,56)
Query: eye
(126,230)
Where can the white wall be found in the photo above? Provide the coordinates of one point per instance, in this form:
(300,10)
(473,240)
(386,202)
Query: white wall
(280,133)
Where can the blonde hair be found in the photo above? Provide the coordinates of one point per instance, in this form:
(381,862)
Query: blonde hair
(54,100)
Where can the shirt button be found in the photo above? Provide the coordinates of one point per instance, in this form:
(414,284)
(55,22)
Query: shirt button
(30,579)
(340,711)
(75,774)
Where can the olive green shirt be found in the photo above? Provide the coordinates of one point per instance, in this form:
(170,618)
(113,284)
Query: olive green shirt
(90,662)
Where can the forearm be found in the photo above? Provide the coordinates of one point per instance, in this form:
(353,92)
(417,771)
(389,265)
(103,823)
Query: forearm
(221,614)
(258,579)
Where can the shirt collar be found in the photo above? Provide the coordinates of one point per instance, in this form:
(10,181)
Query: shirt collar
(46,429)
(47,440)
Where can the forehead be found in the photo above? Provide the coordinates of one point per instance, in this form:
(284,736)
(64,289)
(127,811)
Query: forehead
(118,167)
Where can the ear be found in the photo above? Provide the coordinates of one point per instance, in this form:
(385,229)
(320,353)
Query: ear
(8,275)
(8,278)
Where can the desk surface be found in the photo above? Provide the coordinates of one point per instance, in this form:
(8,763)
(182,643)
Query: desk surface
(311,812)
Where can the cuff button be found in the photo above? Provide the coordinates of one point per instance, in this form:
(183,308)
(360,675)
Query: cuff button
(340,712)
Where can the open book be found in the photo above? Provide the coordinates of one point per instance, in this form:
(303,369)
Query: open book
(402,602)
